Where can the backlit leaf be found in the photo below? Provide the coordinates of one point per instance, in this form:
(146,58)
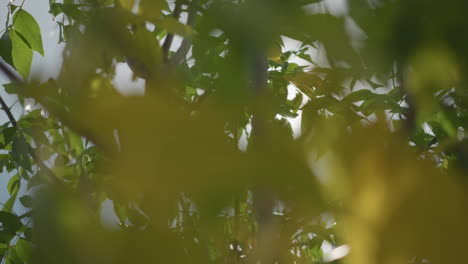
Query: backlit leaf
(21,54)
(25,24)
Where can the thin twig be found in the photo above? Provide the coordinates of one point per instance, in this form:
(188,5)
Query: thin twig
(6,109)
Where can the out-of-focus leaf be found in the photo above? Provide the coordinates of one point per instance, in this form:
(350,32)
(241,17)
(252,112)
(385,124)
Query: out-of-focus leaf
(71,10)
(24,250)
(121,212)
(26,201)
(11,88)
(306,82)
(372,104)
(76,142)
(151,8)
(127,4)
(359,95)
(374,85)
(20,151)
(320,103)
(172,25)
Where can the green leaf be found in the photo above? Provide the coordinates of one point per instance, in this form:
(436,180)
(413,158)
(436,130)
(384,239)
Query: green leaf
(107,2)
(370,105)
(70,10)
(136,217)
(305,57)
(13,257)
(121,211)
(5,48)
(36,179)
(13,8)
(21,54)
(3,248)
(67,32)
(320,103)
(295,103)
(24,250)
(359,95)
(23,174)
(448,121)
(150,8)
(14,185)
(6,135)
(28,233)
(11,88)
(26,201)
(26,25)
(11,223)
(126,4)
(76,142)
(56,9)
(421,138)
(20,152)
(6,237)
(374,85)
(352,84)
(4,159)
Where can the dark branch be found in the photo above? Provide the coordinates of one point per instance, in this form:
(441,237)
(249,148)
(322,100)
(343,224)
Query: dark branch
(8,112)
(170,37)
(410,120)
(186,43)
(18,80)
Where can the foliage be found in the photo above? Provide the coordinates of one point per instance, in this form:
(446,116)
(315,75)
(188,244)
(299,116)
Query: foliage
(378,165)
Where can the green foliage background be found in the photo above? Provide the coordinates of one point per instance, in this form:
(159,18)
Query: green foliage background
(377,170)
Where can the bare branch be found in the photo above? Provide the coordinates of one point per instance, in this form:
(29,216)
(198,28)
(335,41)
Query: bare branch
(13,76)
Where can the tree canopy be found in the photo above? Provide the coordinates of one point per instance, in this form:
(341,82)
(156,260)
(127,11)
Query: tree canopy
(204,167)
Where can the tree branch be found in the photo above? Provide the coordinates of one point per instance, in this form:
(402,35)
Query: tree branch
(186,43)
(8,112)
(410,122)
(170,37)
(13,76)
(18,80)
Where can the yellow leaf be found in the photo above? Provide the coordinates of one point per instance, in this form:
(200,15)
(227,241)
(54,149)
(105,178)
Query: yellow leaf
(172,25)
(305,82)
(397,206)
(274,53)
(127,4)
(151,8)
